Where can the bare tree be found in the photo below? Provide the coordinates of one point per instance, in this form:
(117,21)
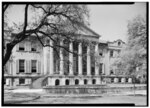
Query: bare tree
(62,20)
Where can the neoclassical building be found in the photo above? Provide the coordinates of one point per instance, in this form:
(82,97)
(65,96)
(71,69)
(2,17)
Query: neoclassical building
(30,62)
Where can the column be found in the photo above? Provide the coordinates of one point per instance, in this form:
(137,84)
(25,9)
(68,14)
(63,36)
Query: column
(71,59)
(80,58)
(88,61)
(45,55)
(96,62)
(61,59)
(51,63)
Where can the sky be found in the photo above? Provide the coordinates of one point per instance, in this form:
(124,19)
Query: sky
(109,21)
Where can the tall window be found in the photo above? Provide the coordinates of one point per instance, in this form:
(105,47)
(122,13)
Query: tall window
(34,68)
(100,68)
(111,53)
(21,66)
(21,47)
(119,43)
(111,72)
(33,48)
(21,81)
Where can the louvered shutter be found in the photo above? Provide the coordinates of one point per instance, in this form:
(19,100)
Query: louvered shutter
(17,66)
(17,81)
(29,66)
(29,81)
(38,66)
(103,68)
(7,82)
(26,66)
(26,81)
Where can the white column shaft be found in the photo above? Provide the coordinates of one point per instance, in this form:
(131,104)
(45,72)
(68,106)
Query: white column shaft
(96,62)
(45,54)
(80,58)
(71,59)
(51,65)
(61,59)
(88,61)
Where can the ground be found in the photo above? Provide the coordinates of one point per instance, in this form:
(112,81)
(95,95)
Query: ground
(21,96)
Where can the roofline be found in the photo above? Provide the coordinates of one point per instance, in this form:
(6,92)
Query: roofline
(89,29)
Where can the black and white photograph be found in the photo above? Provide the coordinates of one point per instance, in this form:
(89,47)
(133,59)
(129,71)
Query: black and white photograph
(74,53)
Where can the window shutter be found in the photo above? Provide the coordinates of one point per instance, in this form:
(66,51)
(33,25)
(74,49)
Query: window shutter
(26,66)
(26,81)
(38,66)
(29,81)
(7,82)
(17,66)
(17,81)
(103,68)
(29,68)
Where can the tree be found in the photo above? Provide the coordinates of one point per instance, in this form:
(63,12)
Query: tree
(48,20)
(132,60)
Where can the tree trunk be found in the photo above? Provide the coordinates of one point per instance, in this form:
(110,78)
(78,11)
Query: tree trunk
(7,55)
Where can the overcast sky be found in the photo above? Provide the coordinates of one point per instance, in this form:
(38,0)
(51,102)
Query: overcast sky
(110,21)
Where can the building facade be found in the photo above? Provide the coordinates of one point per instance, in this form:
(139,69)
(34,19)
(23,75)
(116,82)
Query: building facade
(91,65)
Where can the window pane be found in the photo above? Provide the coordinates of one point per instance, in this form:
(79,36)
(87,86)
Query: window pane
(21,65)
(21,47)
(34,65)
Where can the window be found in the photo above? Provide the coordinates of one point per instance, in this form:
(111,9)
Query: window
(111,72)
(21,66)
(100,68)
(67,82)
(85,81)
(101,52)
(21,81)
(112,80)
(93,71)
(33,63)
(57,82)
(119,43)
(111,53)
(93,81)
(33,49)
(21,47)
(76,82)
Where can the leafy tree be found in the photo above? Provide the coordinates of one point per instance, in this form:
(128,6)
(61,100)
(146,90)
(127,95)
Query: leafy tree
(48,20)
(132,60)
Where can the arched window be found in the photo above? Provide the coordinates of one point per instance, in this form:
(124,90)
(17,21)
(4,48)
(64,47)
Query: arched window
(76,82)
(85,81)
(57,82)
(67,82)
(93,81)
